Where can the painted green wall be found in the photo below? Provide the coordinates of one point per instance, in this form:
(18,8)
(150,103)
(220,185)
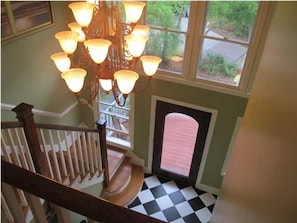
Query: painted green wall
(29,75)
(229,109)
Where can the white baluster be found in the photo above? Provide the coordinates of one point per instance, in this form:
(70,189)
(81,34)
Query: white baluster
(81,158)
(27,151)
(62,158)
(21,151)
(69,155)
(90,151)
(56,164)
(46,153)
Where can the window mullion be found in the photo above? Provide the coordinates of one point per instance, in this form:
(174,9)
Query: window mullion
(196,25)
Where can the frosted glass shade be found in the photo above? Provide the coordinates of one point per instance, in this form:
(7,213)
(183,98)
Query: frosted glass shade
(140,30)
(133,10)
(150,64)
(136,44)
(106,84)
(61,60)
(67,40)
(83,12)
(126,80)
(77,28)
(98,49)
(74,78)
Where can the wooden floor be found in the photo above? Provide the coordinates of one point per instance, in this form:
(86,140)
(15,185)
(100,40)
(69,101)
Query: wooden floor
(179,139)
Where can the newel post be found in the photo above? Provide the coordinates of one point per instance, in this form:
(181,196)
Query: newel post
(25,115)
(101,126)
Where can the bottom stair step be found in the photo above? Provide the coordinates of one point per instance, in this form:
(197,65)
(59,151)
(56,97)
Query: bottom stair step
(120,180)
(130,192)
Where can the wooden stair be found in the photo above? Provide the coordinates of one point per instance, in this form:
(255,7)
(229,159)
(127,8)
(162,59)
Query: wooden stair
(126,182)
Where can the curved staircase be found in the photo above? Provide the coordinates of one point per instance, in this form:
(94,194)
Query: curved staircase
(126,178)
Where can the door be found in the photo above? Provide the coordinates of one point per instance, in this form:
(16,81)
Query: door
(179,139)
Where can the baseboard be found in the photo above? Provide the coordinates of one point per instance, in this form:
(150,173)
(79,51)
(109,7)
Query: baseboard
(209,189)
(135,159)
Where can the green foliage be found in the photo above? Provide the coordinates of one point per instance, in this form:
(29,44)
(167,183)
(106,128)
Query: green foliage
(215,64)
(165,15)
(239,15)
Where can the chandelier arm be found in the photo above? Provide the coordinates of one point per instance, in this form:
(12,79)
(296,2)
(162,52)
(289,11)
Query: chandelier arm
(145,88)
(116,96)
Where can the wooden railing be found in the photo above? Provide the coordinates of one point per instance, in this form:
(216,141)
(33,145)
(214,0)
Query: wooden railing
(73,154)
(69,154)
(94,208)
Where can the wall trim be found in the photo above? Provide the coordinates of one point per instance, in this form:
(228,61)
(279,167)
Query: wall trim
(9,107)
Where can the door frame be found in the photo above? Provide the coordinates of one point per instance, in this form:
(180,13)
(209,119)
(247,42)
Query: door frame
(208,137)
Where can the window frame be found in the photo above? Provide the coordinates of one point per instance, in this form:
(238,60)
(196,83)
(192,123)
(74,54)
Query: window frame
(128,145)
(193,45)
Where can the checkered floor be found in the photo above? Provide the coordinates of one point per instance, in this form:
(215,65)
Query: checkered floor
(173,201)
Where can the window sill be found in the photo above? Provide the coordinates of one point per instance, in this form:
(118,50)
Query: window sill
(203,85)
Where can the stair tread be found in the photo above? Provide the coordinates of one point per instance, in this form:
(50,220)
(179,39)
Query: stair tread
(132,189)
(115,157)
(121,178)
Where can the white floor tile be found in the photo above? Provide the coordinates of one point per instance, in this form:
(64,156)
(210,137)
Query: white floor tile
(164,202)
(159,215)
(207,199)
(189,193)
(152,181)
(145,196)
(170,187)
(203,214)
(179,220)
(140,209)
(184,209)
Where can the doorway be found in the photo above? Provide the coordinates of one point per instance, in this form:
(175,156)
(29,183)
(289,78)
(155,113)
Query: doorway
(179,140)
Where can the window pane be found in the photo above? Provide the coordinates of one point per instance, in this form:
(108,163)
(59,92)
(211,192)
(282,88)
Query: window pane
(5,26)
(221,61)
(169,46)
(168,14)
(117,118)
(226,37)
(169,23)
(28,15)
(231,20)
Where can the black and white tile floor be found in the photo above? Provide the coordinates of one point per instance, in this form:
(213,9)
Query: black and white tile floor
(173,201)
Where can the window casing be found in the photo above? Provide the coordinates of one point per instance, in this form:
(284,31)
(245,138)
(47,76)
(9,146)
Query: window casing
(191,49)
(119,120)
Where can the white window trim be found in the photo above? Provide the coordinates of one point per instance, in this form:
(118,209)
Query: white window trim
(192,53)
(112,140)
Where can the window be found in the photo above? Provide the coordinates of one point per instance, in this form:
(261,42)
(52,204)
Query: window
(19,17)
(213,43)
(168,23)
(118,126)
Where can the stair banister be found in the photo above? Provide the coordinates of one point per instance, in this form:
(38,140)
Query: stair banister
(85,204)
(101,126)
(25,115)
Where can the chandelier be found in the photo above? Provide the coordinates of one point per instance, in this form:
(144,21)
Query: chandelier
(99,43)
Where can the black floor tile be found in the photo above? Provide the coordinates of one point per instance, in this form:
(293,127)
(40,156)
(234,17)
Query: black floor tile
(151,207)
(171,214)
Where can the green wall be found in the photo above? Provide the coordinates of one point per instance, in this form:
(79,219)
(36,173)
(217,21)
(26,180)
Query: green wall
(229,109)
(29,75)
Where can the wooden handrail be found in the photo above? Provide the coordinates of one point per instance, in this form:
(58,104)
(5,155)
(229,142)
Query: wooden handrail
(64,127)
(85,204)
(7,125)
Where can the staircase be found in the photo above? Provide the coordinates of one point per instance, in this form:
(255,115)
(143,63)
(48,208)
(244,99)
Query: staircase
(126,178)
(75,157)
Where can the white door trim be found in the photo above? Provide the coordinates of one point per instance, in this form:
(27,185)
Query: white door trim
(208,137)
